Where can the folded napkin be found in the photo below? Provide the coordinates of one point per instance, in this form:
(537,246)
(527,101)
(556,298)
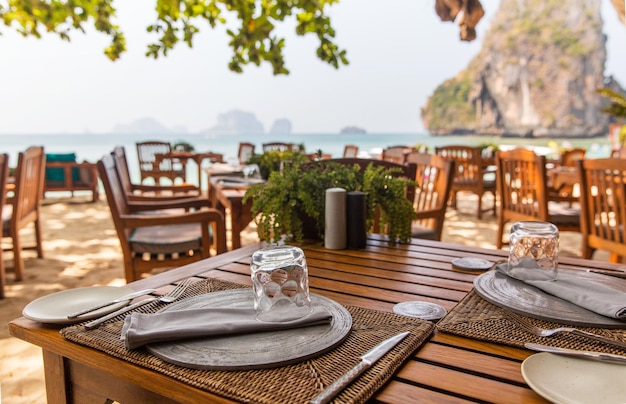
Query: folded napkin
(582,292)
(140,329)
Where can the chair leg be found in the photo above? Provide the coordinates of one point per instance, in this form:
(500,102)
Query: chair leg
(500,232)
(18,263)
(38,238)
(479,214)
(3,278)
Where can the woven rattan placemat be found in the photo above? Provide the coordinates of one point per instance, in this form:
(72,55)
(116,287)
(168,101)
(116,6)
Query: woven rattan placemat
(288,384)
(475,317)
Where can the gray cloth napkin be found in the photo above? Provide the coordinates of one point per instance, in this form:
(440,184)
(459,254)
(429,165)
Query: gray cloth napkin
(140,329)
(582,292)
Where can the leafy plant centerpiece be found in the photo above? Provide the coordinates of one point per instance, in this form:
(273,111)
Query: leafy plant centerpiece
(295,196)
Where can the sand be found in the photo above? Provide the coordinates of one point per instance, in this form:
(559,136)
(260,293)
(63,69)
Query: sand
(81,249)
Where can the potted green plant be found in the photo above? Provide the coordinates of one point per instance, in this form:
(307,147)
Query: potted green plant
(291,204)
(271,161)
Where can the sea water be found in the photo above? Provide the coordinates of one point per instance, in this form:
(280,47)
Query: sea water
(91,147)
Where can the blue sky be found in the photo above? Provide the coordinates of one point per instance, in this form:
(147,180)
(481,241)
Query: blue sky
(399,52)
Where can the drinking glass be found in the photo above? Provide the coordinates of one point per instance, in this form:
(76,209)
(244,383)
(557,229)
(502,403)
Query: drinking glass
(534,251)
(280,283)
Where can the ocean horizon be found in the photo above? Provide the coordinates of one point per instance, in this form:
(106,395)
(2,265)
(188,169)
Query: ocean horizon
(91,146)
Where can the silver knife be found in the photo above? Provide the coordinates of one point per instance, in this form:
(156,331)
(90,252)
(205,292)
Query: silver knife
(575,352)
(367,360)
(110,302)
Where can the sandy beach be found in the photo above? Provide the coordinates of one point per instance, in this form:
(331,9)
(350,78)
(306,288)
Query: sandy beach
(81,249)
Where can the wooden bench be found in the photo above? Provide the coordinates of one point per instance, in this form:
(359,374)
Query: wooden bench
(63,173)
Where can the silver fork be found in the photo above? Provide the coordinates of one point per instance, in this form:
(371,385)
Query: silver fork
(527,326)
(167,298)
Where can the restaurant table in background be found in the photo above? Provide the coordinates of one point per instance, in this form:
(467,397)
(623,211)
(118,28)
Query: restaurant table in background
(228,193)
(447,367)
(197,158)
(564,182)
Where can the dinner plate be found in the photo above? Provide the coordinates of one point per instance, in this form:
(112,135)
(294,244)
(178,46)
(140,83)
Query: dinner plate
(564,379)
(522,298)
(55,308)
(257,350)
(423,310)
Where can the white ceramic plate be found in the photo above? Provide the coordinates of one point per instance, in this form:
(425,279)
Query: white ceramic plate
(565,379)
(55,308)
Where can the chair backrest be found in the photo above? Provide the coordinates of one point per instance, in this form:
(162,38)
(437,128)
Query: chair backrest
(115,195)
(350,151)
(121,164)
(521,185)
(278,146)
(603,205)
(4,179)
(569,157)
(245,152)
(155,161)
(29,184)
(396,154)
(433,177)
(468,164)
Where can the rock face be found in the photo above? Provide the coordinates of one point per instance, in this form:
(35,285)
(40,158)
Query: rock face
(236,122)
(537,74)
(281,127)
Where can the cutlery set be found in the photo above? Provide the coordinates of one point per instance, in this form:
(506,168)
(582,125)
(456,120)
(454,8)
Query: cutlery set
(531,328)
(171,296)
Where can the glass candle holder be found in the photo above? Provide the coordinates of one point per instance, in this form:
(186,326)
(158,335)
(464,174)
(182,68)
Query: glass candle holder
(280,281)
(534,251)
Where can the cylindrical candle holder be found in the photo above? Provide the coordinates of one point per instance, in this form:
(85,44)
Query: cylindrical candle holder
(356,215)
(335,219)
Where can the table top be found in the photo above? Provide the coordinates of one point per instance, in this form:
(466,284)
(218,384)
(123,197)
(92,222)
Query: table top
(446,367)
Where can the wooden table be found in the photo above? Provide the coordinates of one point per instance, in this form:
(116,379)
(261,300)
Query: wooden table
(447,368)
(198,158)
(229,195)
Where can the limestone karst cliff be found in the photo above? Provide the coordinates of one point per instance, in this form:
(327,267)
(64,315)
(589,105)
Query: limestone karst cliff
(537,74)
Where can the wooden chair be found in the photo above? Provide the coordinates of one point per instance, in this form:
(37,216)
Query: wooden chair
(434,176)
(156,162)
(396,154)
(159,240)
(469,174)
(24,206)
(245,152)
(603,206)
(139,192)
(350,151)
(566,192)
(4,179)
(522,192)
(64,173)
(568,158)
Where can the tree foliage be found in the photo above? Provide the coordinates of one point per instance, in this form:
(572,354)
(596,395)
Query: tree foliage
(254,40)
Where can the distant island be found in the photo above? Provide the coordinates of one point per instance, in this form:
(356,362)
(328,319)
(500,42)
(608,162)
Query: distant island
(352,129)
(234,122)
